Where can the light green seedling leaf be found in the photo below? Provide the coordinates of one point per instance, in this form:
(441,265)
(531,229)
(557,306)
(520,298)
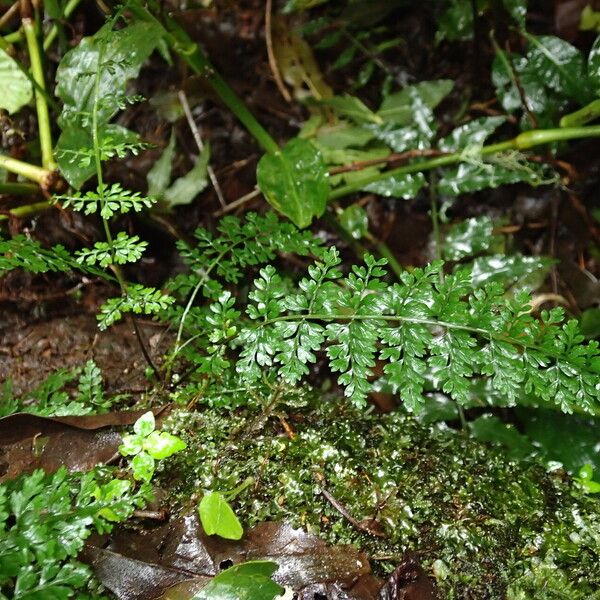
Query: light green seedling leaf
(186,188)
(218,518)
(161,444)
(131,444)
(473,133)
(145,425)
(16,88)
(586,479)
(247,581)
(294,181)
(142,466)
(159,175)
(353,108)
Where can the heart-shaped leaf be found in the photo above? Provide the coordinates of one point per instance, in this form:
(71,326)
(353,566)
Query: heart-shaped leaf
(294,181)
(247,581)
(218,518)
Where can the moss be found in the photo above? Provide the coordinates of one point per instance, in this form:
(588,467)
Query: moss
(481,523)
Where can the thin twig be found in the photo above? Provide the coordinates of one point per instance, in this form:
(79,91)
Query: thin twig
(391,159)
(361,526)
(140,339)
(190,119)
(237,203)
(271,54)
(10,14)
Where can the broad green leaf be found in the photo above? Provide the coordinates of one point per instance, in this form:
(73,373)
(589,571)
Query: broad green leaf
(517,9)
(473,133)
(489,428)
(161,444)
(593,66)
(521,272)
(405,187)
(186,188)
(218,518)
(16,87)
(159,175)
(571,440)
(117,55)
(294,181)
(398,108)
(145,424)
(560,65)
(353,108)
(343,135)
(590,322)
(456,22)
(478,175)
(470,237)
(74,152)
(355,221)
(247,581)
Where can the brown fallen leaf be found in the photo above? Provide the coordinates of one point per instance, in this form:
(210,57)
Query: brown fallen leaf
(182,551)
(408,582)
(29,442)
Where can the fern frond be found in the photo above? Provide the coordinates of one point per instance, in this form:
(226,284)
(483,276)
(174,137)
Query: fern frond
(138,300)
(107,199)
(122,250)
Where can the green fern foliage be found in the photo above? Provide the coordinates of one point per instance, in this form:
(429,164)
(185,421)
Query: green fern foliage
(138,299)
(109,200)
(425,327)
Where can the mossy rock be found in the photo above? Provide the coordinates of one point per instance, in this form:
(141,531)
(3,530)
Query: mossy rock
(484,526)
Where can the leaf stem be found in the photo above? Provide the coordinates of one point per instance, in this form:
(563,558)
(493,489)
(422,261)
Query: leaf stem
(43,115)
(181,43)
(524,141)
(70,7)
(38,174)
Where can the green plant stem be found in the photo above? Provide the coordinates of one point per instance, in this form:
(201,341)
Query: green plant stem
(27,170)
(18,189)
(41,105)
(524,141)
(26,210)
(582,116)
(181,43)
(69,9)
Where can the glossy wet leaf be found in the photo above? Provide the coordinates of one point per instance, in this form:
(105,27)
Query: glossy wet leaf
(218,518)
(560,65)
(520,272)
(479,174)
(398,108)
(248,581)
(473,133)
(469,237)
(117,56)
(355,221)
(294,181)
(405,186)
(187,187)
(16,88)
(593,66)
(159,175)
